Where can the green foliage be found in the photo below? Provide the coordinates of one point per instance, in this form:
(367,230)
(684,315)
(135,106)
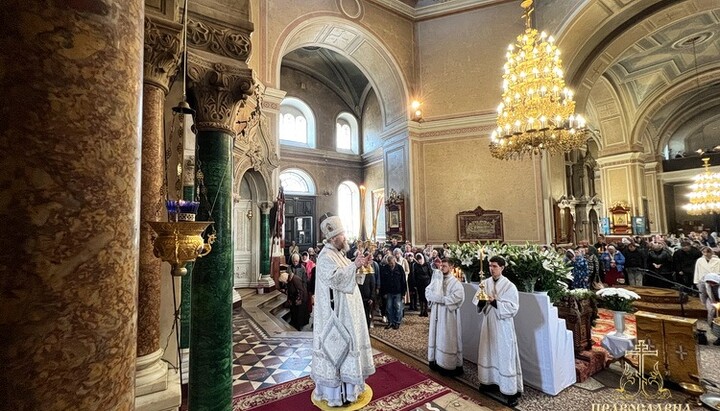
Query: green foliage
(529,267)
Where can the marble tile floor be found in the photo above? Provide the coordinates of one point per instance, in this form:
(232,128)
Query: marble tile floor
(265,351)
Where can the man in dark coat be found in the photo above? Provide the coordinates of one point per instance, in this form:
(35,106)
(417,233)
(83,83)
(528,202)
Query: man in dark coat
(393,286)
(684,260)
(634,264)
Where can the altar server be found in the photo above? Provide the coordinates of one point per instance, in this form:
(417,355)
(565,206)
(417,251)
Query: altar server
(445,339)
(708,263)
(498,355)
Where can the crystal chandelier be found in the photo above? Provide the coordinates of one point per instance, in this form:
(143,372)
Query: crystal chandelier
(705,194)
(537,110)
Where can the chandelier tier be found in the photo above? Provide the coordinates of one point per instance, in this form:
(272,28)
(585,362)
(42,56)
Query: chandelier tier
(537,110)
(705,194)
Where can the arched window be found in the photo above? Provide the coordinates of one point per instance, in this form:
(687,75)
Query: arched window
(297,123)
(346,133)
(296,181)
(349,208)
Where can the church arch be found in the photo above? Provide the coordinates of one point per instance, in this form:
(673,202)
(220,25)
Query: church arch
(361,47)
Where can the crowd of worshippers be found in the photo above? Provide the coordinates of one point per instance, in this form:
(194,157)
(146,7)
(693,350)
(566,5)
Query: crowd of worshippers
(656,261)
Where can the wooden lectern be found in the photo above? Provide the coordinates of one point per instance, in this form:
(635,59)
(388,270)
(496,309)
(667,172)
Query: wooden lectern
(674,339)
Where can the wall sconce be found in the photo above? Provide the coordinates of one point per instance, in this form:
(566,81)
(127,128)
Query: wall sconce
(249,214)
(327,193)
(416,112)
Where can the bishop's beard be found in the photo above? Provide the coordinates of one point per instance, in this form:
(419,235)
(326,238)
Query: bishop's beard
(341,246)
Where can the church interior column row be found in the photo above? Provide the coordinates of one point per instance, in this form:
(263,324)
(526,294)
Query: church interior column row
(72,75)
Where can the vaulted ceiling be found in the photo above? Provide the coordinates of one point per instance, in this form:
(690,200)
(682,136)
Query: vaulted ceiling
(333,70)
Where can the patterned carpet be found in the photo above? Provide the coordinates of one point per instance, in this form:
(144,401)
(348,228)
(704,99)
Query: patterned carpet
(395,387)
(600,389)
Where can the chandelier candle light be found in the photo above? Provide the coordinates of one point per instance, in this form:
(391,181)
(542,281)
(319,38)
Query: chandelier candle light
(705,194)
(537,111)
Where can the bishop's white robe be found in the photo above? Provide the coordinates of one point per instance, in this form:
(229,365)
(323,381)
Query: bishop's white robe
(342,356)
(445,338)
(498,355)
(704,267)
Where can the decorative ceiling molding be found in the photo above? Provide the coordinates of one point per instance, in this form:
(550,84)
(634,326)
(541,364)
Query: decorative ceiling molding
(439,9)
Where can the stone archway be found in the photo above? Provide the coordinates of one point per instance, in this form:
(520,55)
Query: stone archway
(249,192)
(359,46)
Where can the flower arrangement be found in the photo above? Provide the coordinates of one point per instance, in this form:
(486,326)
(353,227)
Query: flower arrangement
(533,268)
(617,299)
(530,267)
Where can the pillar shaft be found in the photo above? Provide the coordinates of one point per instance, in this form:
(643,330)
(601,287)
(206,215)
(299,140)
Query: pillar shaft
(212,284)
(151,209)
(218,90)
(186,291)
(72,75)
(160,64)
(265,240)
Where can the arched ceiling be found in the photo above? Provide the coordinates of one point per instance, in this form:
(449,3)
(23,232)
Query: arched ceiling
(650,84)
(333,70)
(661,58)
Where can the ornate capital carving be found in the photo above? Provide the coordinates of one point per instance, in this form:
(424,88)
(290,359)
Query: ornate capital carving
(219,40)
(219,90)
(162,52)
(265,207)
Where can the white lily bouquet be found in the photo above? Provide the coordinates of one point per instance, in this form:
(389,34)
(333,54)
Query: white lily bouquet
(617,299)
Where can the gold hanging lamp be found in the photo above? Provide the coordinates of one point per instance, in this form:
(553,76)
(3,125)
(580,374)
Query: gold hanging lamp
(537,112)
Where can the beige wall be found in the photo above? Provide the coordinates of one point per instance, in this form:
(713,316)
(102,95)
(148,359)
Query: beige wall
(458,175)
(374,179)
(372,123)
(461,57)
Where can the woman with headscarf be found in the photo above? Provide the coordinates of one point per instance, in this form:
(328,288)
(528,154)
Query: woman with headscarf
(297,299)
(579,269)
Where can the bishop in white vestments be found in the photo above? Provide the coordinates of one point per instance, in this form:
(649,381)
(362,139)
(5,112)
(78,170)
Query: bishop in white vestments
(446,295)
(498,355)
(342,356)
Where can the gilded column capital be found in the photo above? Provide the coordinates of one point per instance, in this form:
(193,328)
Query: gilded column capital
(162,52)
(219,40)
(219,90)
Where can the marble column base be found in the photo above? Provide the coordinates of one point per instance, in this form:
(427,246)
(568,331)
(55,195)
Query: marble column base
(168,399)
(237,298)
(185,361)
(150,374)
(266,281)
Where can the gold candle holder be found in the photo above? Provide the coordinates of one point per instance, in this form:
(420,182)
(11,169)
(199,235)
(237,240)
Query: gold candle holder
(179,242)
(481,294)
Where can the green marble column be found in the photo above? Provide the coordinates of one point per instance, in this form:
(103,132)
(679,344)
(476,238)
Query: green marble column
(212,283)
(218,90)
(186,286)
(265,243)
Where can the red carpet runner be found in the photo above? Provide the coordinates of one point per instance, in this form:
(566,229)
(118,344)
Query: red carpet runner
(395,387)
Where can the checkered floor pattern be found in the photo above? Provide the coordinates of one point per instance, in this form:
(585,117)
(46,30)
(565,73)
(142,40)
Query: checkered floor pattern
(261,361)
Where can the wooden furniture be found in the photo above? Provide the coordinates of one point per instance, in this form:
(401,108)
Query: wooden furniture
(620,222)
(395,217)
(578,316)
(674,339)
